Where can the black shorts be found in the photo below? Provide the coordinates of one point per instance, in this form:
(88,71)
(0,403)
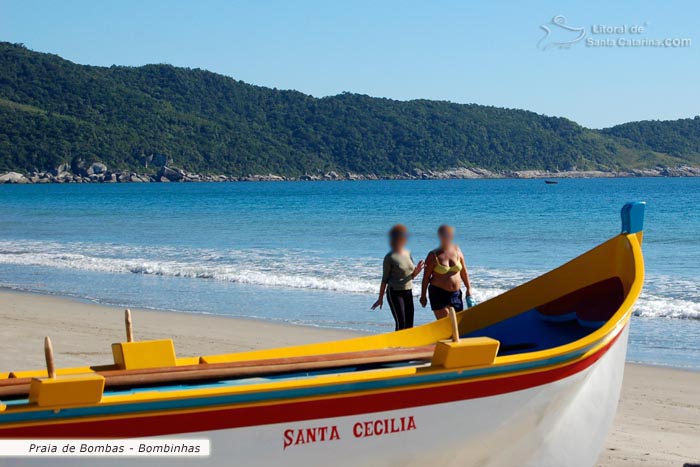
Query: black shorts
(441,298)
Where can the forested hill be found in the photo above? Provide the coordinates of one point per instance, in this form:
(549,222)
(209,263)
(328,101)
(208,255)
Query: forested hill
(54,111)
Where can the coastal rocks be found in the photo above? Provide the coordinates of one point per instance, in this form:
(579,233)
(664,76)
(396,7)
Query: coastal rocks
(96,168)
(13,177)
(171,174)
(644,173)
(109,178)
(683,171)
(97,172)
(456,173)
(262,178)
(464,173)
(41,177)
(62,168)
(528,174)
(81,168)
(531,174)
(65,177)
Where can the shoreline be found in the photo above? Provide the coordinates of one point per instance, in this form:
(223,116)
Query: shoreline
(657,422)
(173,174)
(343,331)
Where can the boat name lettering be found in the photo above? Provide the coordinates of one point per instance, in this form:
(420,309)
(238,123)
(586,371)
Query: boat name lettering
(310,435)
(363,429)
(383,426)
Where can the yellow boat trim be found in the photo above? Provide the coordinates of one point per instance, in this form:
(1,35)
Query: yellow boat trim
(618,257)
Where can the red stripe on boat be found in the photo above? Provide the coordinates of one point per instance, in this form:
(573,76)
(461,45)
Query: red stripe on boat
(285,412)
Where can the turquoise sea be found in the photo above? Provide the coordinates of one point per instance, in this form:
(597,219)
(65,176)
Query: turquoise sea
(310,253)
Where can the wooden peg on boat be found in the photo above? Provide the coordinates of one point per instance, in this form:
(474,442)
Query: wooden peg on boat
(131,355)
(48,354)
(129,326)
(453,320)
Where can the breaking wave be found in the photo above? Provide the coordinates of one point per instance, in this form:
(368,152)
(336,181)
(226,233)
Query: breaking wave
(665,297)
(651,306)
(279,269)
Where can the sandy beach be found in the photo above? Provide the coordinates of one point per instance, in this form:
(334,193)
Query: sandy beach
(657,424)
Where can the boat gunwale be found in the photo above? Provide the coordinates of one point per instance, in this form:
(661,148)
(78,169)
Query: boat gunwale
(562,370)
(503,367)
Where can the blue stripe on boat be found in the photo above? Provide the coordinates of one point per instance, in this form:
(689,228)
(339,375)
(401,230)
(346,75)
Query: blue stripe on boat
(289,394)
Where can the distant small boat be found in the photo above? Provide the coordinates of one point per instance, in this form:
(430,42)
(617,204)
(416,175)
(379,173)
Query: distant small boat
(530,377)
(551,182)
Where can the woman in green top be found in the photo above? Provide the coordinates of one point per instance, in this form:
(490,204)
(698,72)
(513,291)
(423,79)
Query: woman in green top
(397,279)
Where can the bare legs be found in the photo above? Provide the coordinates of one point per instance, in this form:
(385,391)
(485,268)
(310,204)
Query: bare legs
(441,313)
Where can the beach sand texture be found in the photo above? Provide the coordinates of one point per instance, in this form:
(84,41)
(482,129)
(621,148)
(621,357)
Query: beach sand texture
(657,424)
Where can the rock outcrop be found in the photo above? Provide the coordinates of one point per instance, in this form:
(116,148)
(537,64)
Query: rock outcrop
(98,172)
(13,177)
(96,168)
(172,174)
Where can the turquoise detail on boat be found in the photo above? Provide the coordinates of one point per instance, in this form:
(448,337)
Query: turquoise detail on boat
(633,217)
(288,395)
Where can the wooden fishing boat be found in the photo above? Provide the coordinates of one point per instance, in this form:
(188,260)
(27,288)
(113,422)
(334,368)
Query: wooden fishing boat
(531,377)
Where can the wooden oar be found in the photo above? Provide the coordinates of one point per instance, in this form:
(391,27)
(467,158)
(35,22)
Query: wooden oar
(216,371)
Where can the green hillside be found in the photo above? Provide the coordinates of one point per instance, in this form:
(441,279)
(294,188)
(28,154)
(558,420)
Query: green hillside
(54,111)
(679,138)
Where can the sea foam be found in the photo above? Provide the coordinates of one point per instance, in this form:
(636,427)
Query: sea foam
(666,297)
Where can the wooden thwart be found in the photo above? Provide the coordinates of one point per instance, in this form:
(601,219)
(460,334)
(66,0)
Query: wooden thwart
(216,371)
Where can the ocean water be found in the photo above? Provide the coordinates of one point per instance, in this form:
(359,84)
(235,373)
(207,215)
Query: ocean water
(310,253)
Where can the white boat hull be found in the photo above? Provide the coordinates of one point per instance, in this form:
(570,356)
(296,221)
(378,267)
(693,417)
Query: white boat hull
(563,423)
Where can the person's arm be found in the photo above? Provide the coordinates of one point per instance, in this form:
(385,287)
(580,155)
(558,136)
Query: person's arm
(427,272)
(386,273)
(419,267)
(465,275)
(380,300)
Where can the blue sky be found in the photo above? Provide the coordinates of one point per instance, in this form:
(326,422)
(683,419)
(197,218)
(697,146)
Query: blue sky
(467,52)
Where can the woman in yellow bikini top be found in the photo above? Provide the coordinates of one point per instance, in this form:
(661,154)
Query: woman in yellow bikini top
(445,270)
(442,269)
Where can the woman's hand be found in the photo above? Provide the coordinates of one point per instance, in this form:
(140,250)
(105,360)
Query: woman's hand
(378,303)
(419,267)
(470,301)
(423,301)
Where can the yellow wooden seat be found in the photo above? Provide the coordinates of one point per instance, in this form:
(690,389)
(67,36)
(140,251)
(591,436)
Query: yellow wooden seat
(81,389)
(144,354)
(473,351)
